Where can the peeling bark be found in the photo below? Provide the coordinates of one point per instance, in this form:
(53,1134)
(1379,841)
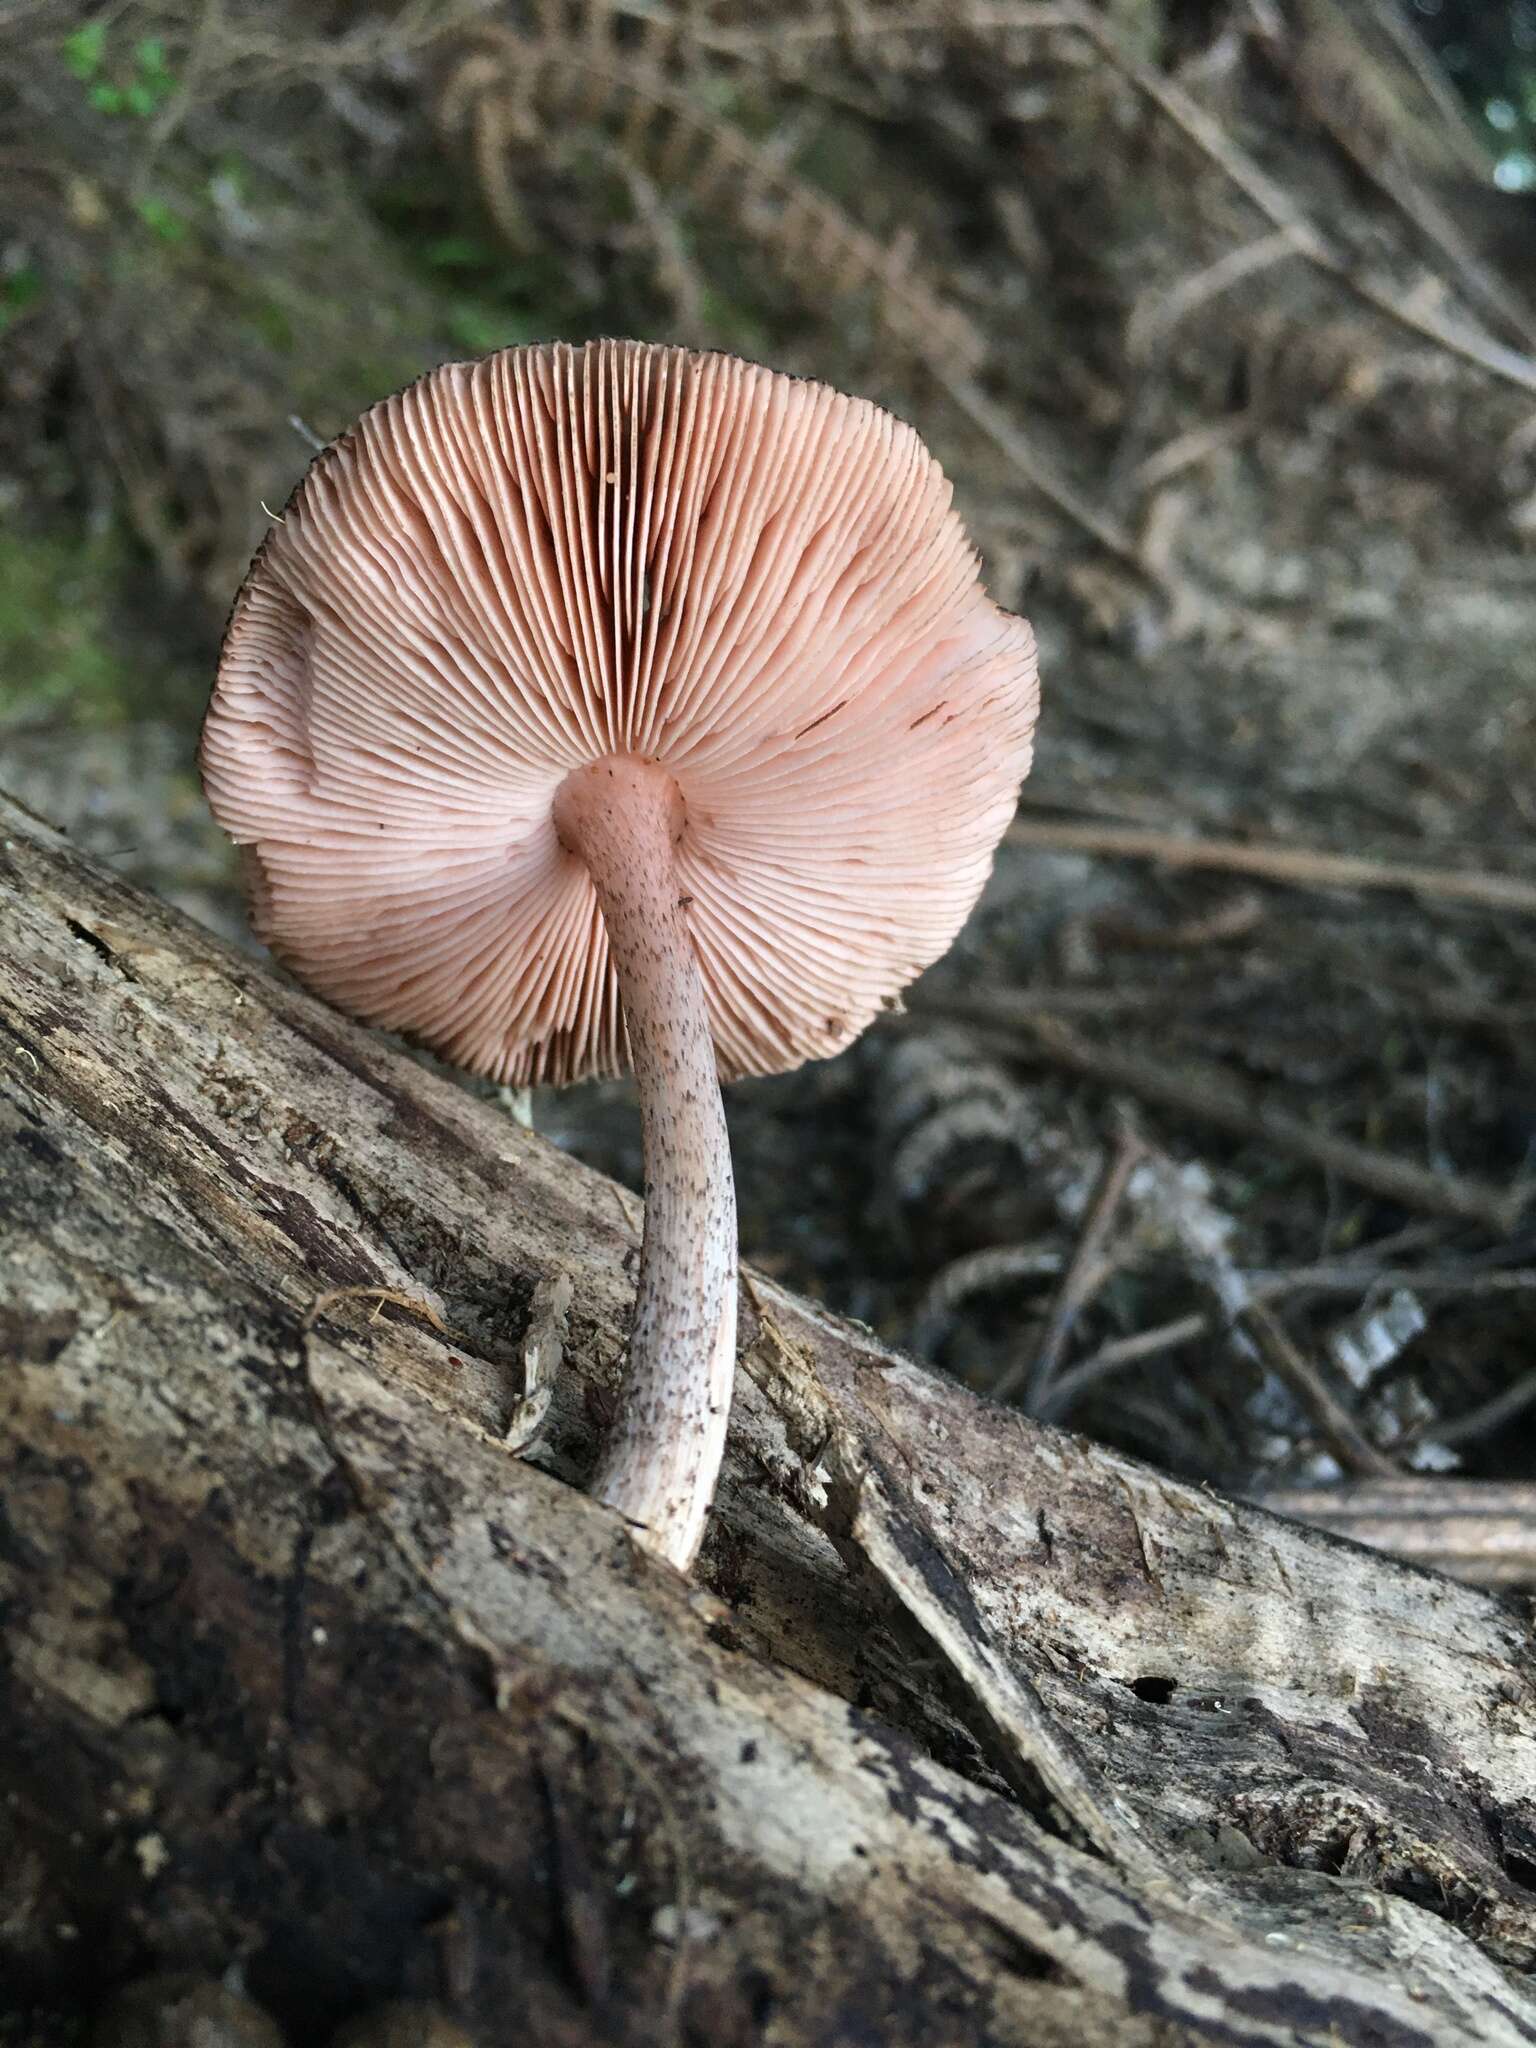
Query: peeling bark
(969,1730)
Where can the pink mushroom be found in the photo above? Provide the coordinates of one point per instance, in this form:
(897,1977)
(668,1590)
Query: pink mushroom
(619,705)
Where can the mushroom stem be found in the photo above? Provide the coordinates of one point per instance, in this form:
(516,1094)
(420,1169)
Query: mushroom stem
(622,817)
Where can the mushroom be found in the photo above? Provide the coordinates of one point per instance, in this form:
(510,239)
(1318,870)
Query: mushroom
(617,704)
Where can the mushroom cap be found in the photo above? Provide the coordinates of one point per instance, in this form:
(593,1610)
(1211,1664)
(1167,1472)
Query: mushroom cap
(522,565)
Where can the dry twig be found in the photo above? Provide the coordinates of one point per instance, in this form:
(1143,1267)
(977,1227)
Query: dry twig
(1234,919)
(508,92)
(1510,365)
(1116,1356)
(1084,1275)
(1155,315)
(968,398)
(1481,1530)
(1003,20)
(1337,80)
(1213,1097)
(1185,1212)
(1337,1427)
(1359,1279)
(955,1286)
(1488,1415)
(1300,866)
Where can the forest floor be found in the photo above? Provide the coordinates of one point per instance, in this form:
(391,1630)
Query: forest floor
(1036,1178)
(1377,722)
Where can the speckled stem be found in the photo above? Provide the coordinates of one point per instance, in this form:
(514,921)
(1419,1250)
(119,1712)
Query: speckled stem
(623,816)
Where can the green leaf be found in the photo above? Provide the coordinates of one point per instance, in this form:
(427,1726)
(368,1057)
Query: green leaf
(481,325)
(18,291)
(149,54)
(162,220)
(458,252)
(475,327)
(84,50)
(106,99)
(23,285)
(274,326)
(141,99)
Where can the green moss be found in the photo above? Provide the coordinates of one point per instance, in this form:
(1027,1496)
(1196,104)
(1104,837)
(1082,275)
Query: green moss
(61,648)
(482,293)
(19,289)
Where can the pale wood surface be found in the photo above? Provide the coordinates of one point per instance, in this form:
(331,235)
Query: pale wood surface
(970,1731)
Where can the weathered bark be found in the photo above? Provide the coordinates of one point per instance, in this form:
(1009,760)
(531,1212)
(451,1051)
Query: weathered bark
(970,1732)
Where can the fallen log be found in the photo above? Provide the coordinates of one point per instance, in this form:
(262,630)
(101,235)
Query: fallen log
(323,1677)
